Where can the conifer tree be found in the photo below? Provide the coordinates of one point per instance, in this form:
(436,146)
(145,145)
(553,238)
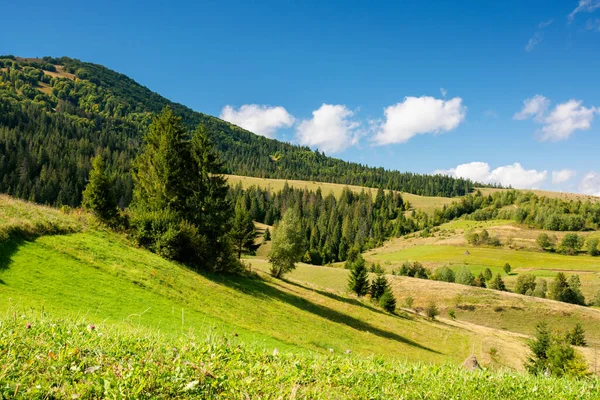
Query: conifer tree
(497,283)
(358,281)
(267,235)
(387,301)
(242,232)
(98,196)
(378,286)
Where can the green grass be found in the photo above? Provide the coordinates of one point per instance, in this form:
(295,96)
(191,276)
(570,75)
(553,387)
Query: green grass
(492,257)
(65,359)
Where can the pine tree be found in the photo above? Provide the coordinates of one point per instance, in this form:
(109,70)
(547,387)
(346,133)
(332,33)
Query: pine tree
(267,235)
(577,336)
(497,283)
(358,281)
(387,301)
(242,232)
(378,286)
(98,196)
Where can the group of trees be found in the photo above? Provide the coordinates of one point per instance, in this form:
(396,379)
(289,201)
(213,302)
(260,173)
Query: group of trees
(332,225)
(481,238)
(570,244)
(57,114)
(358,282)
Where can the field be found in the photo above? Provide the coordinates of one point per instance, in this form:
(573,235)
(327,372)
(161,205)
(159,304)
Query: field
(425,203)
(104,361)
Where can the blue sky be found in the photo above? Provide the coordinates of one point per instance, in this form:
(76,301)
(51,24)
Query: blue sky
(467,88)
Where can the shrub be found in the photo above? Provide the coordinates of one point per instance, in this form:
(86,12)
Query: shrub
(414,270)
(571,244)
(432,311)
(488,274)
(592,247)
(409,301)
(507,268)
(525,283)
(541,288)
(544,241)
(576,337)
(465,277)
(497,283)
(444,274)
(378,287)
(480,281)
(452,314)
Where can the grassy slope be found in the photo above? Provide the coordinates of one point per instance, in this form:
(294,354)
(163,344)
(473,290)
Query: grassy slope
(63,359)
(100,275)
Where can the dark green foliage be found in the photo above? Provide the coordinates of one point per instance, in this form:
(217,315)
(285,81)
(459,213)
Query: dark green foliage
(452,314)
(592,247)
(488,274)
(98,196)
(414,270)
(464,276)
(378,286)
(480,281)
(48,139)
(267,235)
(358,280)
(525,283)
(242,232)
(553,355)
(544,241)
(432,311)
(571,244)
(576,336)
(482,238)
(376,268)
(567,291)
(288,245)
(444,274)
(497,283)
(541,288)
(507,268)
(387,301)
(180,209)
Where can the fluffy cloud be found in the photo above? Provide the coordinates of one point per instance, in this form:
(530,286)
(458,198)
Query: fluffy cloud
(509,175)
(262,120)
(419,115)
(562,176)
(533,107)
(565,119)
(590,184)
(562,121)
(584,6)
(331,129)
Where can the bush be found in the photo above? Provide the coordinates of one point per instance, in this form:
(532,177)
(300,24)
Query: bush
(444,274)
(488,274)
(571,244)
(541,288)
(592,247)
(525,283)
(497,283)
(432,311)
(544,241)
(576,337)
(465,277)
(452,314)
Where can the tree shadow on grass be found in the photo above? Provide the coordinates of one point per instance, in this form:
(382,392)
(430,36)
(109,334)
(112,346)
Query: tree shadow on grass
(257,287)
(333,296)
(7,249)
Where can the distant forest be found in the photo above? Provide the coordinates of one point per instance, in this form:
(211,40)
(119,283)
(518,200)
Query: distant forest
(57,114)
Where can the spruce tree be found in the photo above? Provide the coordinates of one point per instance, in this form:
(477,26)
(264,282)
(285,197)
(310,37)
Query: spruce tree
(387,301)
(358,281)
(576,337)
(267,235)
(98,196)
(497,283)
(242,232)
(378,286)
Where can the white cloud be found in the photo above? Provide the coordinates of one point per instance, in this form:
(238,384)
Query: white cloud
(565,119)
(593,25)
(562,121)
(562,176)
(330,130)
(419,115)
(262,120)
(535,106)
(508,175)
(444,92)
(584,6)
(537,38)
(545,24)
(590,184)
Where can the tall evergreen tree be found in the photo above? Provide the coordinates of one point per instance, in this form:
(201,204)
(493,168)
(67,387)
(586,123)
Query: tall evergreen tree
(358,281)
(98,196)
(242,231)
(378,286)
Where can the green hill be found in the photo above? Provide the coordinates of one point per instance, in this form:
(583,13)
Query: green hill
(55,114)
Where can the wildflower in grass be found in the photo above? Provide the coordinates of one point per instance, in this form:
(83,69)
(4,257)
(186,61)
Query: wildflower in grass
(275,352)
(91,327)
(28,326)
(348,351)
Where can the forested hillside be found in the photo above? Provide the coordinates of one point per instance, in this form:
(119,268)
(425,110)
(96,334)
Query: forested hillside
(56,114)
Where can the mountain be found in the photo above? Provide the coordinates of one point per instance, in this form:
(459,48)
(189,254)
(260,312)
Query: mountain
(57,113)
